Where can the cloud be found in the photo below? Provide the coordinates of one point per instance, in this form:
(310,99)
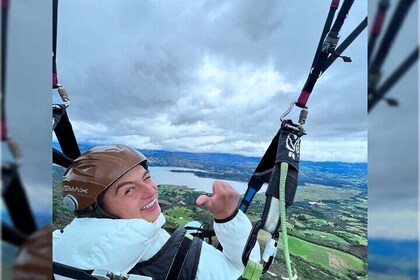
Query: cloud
(210,76)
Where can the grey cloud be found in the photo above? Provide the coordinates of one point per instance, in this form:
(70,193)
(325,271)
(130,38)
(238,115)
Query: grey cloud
(142,60)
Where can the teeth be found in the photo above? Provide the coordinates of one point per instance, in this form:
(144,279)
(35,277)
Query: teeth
(148,206)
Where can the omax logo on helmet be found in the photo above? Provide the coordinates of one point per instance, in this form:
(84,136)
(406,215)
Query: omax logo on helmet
(75,189)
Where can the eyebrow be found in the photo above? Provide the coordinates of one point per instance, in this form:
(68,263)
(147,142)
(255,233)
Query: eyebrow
(130,182)
(122,185)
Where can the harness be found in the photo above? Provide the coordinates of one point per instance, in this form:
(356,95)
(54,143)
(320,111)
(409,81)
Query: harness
(377,90)
(279,167)
(177,259)
(61,123)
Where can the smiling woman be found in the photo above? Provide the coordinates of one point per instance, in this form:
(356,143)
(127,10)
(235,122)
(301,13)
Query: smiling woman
(119,223)
(134,195)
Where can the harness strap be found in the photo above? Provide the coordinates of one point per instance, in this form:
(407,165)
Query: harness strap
(4,20)
(343,46)
(282,184)
(261,174)
(54,44)
(12,235)
(376,92)
(394,77)
(14,196)
(378,22)
(253,271)
(177,259)
(339,21)
(320,63)
(64,132)
(180,257)
(61,159)
(394,26)
(72,272)
(328,22)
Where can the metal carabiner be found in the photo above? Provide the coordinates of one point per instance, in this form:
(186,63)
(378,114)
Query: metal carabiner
(288,110)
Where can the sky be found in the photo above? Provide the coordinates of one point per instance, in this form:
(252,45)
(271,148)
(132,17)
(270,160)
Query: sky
(209,76)
(28,96)
(393,143)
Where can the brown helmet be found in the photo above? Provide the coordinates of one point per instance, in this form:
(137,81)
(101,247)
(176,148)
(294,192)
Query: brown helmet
(93,172)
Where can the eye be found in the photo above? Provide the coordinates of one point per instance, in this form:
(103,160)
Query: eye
(148,178)
(129,190)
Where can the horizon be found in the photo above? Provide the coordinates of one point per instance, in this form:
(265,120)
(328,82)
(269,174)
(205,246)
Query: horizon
(54,142)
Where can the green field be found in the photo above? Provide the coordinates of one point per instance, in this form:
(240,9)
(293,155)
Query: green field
(331,259)
(179,215)
(320,221)
(314,192)
(353,237)
(314,234)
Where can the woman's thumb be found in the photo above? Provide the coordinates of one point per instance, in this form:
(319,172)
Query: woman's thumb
(202,199)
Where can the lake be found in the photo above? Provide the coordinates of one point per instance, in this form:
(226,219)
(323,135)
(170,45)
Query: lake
(163,175)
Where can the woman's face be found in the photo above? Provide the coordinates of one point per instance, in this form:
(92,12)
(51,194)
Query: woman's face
(134,195)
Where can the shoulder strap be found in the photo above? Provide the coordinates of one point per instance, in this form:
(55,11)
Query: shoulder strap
(177,259)
(72,272)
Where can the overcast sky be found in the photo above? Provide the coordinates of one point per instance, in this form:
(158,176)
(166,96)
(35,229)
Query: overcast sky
(393,143)
(209,76)
(28,96)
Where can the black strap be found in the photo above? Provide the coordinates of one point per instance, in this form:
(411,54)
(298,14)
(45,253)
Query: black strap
(4,20)
(392,30)
(14,196)
(343,46)
(61,159)
(12,235)
(321,61)
(339,21)
(383,6)
(179,260)
(72,272)
(260,174)
(328,22)
(393,78)
(64,132)
(54,43)
(376,92)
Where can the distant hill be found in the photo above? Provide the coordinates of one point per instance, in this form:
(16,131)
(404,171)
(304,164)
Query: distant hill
(240,168)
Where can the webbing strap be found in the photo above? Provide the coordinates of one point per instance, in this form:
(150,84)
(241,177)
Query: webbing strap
(54,44)
(378,22)
(339,21)
(343,46)
(333,8)
(4,20)
(253,271)
(394,26)
(319,65)
(12,235)
(180,257)
(14,196)
(261,174)
(282,186)
(65,135)
(72,272)
(393,78)
(61,159)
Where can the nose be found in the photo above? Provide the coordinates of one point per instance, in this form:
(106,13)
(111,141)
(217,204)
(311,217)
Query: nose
(148,190)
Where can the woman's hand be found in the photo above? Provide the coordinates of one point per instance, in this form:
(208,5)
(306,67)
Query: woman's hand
(224,201)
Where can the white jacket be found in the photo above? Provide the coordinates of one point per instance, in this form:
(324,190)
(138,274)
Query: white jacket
(119,244)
